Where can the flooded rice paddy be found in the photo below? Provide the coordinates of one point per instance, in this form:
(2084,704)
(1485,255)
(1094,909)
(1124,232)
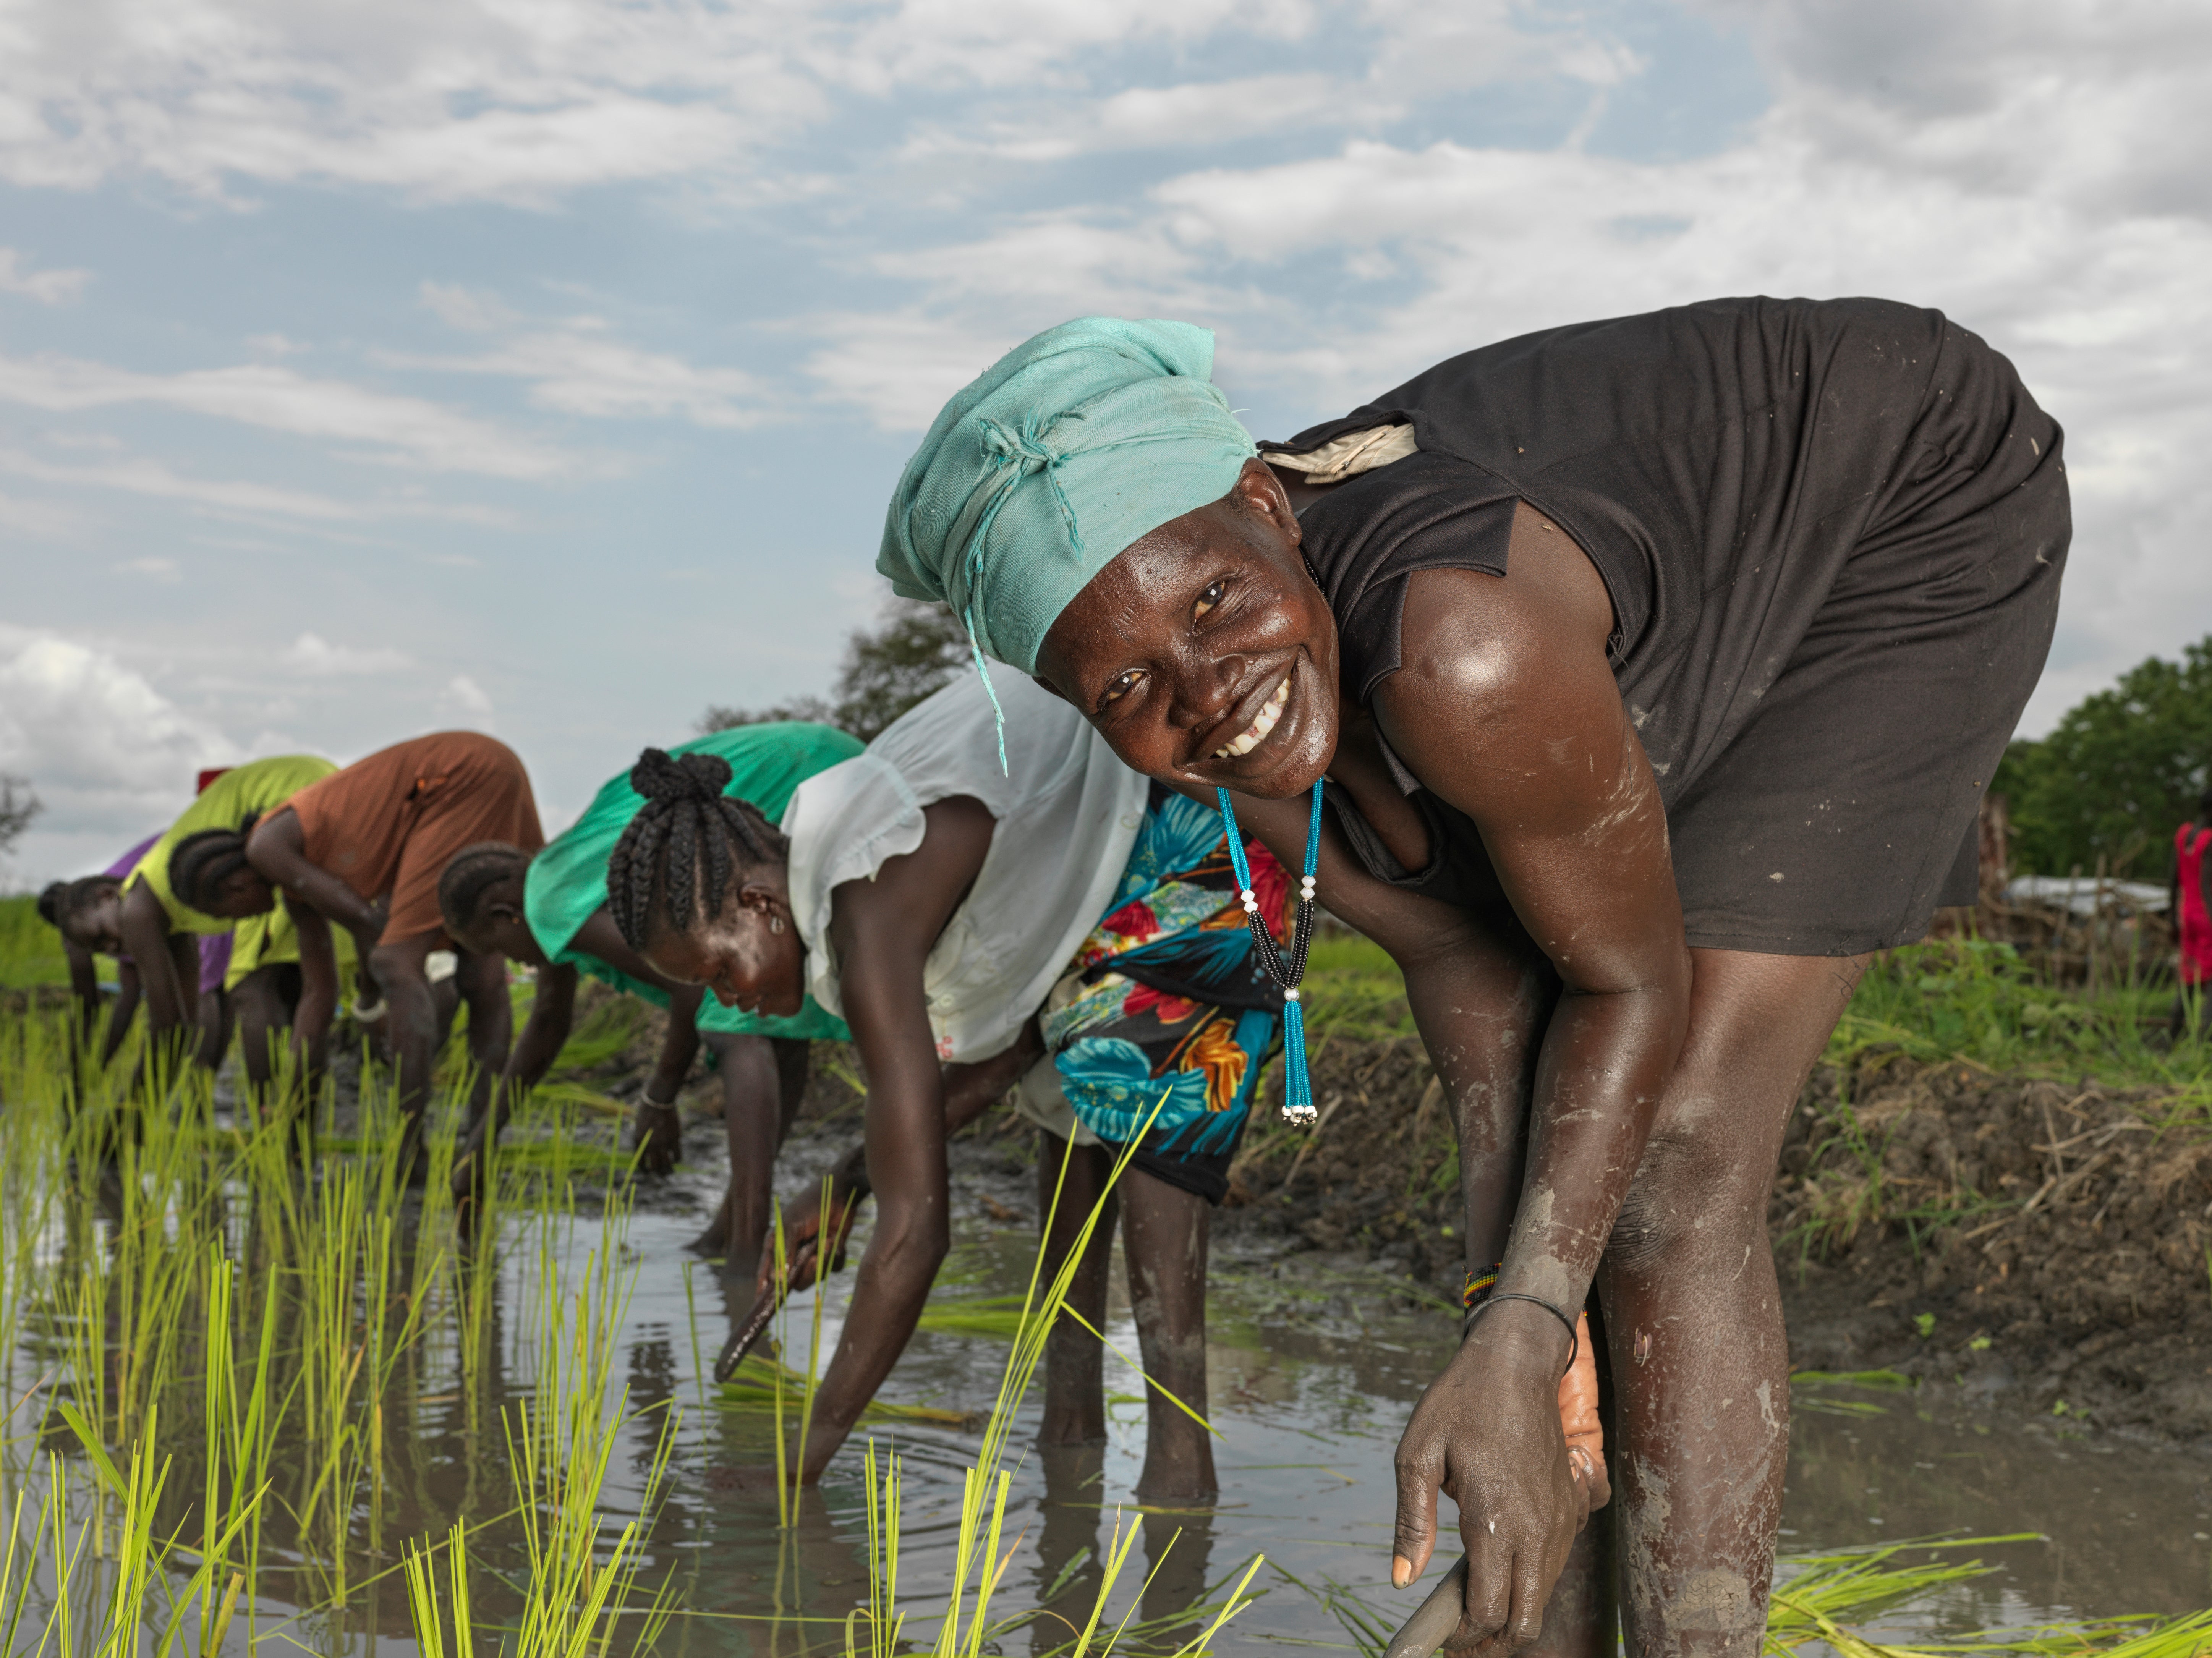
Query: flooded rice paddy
(530,1402)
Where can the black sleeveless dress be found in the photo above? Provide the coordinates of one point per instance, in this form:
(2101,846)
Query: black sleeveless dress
(1833,533)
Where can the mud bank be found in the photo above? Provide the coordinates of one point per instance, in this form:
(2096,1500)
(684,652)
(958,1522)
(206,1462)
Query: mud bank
(2033,1246)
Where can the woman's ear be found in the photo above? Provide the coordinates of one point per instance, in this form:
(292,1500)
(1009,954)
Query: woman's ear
(1261,492)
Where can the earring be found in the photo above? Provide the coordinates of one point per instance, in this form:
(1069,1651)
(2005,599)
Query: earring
(775,924)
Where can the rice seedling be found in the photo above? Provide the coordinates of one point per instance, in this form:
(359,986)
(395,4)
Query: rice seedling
(218,1341)
(998,1318)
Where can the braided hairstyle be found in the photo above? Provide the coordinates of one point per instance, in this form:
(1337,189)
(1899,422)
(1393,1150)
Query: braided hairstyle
(201,862)
(469,874)
(63,901)
(684,851)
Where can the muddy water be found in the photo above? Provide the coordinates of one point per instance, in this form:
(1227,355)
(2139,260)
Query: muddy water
(1313,1372)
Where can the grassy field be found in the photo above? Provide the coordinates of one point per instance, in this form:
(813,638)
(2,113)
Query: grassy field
(1948,999)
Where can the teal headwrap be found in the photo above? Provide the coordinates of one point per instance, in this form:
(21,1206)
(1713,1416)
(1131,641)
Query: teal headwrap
(1064,452)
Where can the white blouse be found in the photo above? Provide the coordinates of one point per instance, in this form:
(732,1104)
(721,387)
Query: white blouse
(1067,814)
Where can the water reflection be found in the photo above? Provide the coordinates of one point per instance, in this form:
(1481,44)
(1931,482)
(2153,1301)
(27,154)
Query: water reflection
(1313,1370)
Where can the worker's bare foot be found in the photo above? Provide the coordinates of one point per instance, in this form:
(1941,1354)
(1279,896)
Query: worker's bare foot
(1182,1482)
(715,1240)
(1077,1421)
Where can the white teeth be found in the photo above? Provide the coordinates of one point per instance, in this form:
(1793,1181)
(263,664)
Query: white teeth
(1256,733)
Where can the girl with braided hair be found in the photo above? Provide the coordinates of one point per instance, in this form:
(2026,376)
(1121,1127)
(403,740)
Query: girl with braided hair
(1035,916)
(990,907)
(932,901)
(552,912)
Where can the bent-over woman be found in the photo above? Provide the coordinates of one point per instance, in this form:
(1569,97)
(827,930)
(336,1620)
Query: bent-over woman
(87,912)
(551,911)
(363,848)
(1655,668)
(159,926)
(934,902)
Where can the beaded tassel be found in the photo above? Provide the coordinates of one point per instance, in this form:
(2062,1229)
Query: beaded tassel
(1298,1085)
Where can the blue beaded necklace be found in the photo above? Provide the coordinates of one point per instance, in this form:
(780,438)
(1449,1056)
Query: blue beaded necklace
(1297,1086)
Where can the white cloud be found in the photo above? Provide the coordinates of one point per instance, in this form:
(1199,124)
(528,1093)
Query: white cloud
(480,100)
(2034,170)
(159,569)
(47,286)
(44,521)
(466,307)
(108,753)
(577,367)
(447,102)
(391,427)
(312,653)
(465,694)
(141,476)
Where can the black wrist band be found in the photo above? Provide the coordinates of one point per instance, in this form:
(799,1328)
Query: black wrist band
(1574,1336)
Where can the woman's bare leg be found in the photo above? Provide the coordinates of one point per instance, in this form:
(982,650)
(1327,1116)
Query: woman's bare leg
(262,1017)
(1699,1358)
(1074,1363)
(215,1015)
(1165,1234)
(758,1100)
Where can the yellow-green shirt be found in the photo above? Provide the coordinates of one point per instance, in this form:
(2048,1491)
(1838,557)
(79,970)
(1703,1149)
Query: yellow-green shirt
(257,787)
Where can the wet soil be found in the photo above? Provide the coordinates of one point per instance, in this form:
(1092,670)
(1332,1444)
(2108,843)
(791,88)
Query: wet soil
(2036,1246)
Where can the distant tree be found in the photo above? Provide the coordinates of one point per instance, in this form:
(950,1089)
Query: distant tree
(886,670)
(2117,775)
(18,806)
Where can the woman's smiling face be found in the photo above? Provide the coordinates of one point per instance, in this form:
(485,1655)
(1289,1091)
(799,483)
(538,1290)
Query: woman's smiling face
(1205,653)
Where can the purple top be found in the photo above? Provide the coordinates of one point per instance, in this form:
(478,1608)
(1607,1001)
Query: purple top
(214,947)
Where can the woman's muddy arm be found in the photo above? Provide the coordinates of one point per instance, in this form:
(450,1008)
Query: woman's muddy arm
(483,983)
(146,941)
(971,1089)
(658,1130)
(544,1033)
(883,931)
(120,1015)
(1507,709)
(84,986)
(318,988)
(680,1046)
(277,851)
(1477,988)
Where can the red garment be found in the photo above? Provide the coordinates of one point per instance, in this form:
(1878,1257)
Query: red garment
(2190,843)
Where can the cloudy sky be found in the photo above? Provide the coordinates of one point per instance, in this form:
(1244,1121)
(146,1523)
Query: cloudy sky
(542,366)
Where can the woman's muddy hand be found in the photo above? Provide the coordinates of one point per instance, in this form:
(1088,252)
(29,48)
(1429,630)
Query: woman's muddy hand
(1487,1435)
(802,1234)
(658,1136)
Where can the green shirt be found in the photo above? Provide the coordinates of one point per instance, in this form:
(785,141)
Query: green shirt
(567,880)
